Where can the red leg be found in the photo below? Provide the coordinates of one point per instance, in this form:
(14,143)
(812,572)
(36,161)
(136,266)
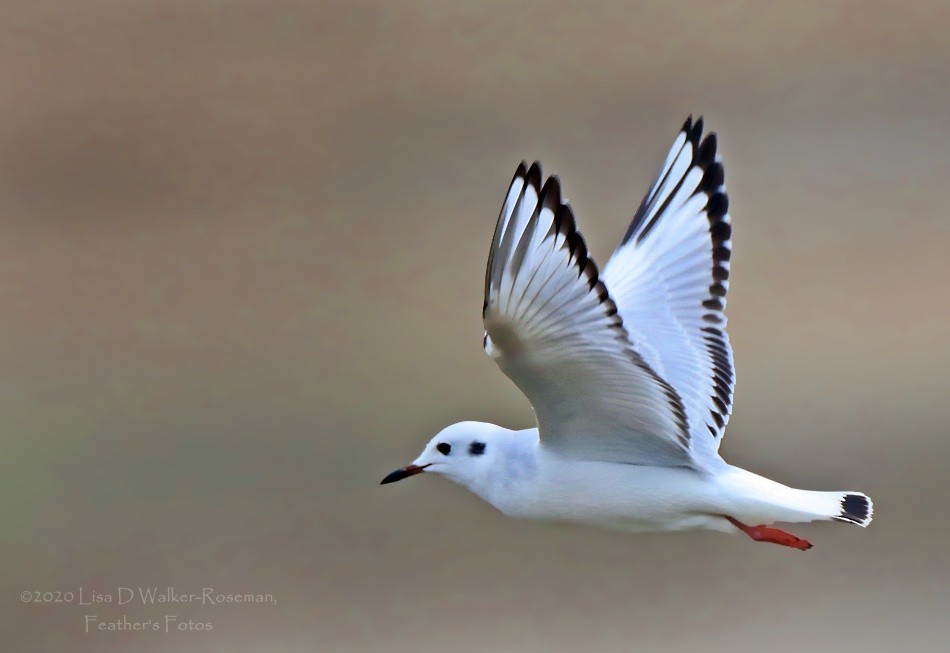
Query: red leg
(769,534)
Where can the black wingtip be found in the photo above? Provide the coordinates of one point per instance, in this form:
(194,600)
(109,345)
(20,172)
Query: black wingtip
(694,132)
(534,172)
(707,151)
(550,196)
(714,177)
(855,509)
(520,173)
(717,207)
(564,221)
(697,131)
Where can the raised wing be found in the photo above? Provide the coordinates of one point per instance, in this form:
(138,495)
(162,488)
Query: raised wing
(669,279)
(553,329)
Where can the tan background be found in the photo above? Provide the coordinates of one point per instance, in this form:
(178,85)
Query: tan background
(241,256)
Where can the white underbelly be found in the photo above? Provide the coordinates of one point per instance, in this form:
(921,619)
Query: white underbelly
(615,496)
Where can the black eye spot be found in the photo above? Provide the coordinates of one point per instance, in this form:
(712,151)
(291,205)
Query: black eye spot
(444,448)
(476,448)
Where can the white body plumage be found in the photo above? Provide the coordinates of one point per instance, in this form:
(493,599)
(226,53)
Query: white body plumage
(519,477)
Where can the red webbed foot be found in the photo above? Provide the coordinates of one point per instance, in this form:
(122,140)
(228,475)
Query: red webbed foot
(764,533)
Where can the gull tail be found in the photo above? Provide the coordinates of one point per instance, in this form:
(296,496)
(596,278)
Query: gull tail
(765,501)
(856,508)
(808,505)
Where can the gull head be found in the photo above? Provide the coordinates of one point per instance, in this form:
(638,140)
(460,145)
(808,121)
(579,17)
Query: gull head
(459,452)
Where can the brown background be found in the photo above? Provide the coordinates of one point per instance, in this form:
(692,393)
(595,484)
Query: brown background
(241,256)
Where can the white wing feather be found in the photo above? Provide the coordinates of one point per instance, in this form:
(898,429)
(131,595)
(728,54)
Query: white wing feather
(669,279)
(554,330)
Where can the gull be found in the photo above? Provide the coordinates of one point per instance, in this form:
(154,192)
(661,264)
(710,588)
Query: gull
(629,370)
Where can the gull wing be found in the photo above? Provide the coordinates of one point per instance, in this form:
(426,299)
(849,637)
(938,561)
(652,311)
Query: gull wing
(554,330)
(669,279)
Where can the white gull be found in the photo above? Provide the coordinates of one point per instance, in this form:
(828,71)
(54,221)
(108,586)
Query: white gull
(629,371)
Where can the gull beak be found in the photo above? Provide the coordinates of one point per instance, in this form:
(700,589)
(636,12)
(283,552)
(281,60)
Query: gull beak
(405,472)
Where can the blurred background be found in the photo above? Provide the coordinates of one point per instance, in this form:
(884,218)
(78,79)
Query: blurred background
(241,265)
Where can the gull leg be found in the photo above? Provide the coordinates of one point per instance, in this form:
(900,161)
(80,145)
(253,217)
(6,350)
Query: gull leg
(764,533)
